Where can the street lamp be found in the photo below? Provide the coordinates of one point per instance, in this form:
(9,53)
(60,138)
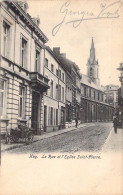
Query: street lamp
(121,94)
(121,73)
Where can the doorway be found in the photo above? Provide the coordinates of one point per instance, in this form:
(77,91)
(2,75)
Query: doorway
(35,111)
(45,118)
(63,118)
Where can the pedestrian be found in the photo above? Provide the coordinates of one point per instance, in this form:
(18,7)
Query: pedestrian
(115,121)
(76,120)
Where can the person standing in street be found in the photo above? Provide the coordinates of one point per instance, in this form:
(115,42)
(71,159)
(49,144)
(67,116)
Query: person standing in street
(115,121)
(76,120)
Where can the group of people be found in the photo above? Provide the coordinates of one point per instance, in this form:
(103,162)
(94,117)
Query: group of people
(115,121)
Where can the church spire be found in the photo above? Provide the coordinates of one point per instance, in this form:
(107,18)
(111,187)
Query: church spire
(92,44)
(92,53)
(93,66)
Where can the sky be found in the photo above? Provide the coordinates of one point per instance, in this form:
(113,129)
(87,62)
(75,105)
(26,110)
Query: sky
(71,25)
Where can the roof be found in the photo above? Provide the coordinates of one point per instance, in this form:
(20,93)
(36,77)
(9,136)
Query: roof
(68,64)
(87,81)
(28,19)
(55,56)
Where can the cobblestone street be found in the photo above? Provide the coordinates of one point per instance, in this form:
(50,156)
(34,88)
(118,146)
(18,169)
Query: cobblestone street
(98,176)
(89,138)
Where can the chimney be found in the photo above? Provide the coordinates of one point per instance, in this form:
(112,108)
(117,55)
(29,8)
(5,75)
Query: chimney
(56,50)
(63,55)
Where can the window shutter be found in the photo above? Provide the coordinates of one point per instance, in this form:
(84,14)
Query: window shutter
(39,63)
(54,117)
(8,41)
(21,50)
(26,55)
(49,116)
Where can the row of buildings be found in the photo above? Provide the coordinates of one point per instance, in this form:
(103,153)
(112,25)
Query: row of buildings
(120,97)
(40,86)
(111,94)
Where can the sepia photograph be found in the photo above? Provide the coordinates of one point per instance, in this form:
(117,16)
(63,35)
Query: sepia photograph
(61,97)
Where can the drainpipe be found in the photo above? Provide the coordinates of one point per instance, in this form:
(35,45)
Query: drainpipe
(13,65)
(58,96)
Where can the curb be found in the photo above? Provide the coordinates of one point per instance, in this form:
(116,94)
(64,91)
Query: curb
(19,146)
(108,138)
(12,147)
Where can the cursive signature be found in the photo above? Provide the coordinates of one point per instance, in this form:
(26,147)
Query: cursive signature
(104,13)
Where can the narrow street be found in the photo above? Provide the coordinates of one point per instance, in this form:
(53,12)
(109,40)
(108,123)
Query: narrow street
(93,175)
(90,138)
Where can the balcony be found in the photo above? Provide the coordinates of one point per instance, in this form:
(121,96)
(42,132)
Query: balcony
(39,82)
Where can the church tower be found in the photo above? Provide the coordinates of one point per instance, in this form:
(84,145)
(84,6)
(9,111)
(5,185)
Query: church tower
(93,66)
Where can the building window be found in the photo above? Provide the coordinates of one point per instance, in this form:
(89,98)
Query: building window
(56,116)
(52,67)
(59,94)
(6,39)
(51,89)
(85,91)
(3,97)
(62,94)
(62,76)
(21,101)
(46,93)
(57,91)
(98,96)
(102,97)
(94,108)
(51,116)
(89,92)
(94,94)
(46,62)
(57,72)
(23,52)
(37,61)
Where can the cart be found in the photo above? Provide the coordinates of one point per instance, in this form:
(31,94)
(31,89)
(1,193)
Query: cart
(21,132)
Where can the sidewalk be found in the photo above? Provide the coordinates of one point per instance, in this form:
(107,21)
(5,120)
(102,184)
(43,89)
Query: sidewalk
(6,147)
(114,143)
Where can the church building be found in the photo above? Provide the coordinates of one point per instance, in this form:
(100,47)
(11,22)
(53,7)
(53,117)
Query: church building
(93,105)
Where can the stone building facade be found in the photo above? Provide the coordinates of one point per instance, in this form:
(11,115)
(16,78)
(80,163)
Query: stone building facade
(93,106)
(54,98)
(73,91)
(111,94)
(22,80)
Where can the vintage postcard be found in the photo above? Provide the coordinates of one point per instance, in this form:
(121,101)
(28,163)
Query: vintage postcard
(61,97)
